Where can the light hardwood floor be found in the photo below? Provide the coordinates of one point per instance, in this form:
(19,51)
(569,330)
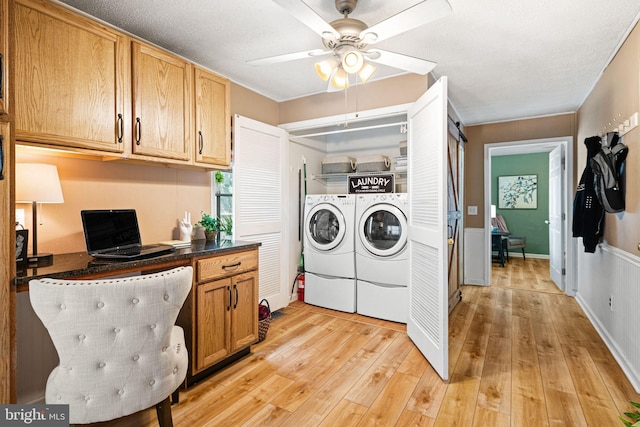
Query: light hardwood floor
(519,355)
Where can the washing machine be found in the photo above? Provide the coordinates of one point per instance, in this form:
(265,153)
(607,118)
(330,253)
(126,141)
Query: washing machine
(382,259)
(329,252)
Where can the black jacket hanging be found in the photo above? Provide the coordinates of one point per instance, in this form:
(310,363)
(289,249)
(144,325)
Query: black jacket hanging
(588,213)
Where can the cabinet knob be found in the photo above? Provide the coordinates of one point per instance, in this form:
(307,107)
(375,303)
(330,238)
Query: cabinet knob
(1,76)
(235,305)
(120,128)
(138,130)
(1,157)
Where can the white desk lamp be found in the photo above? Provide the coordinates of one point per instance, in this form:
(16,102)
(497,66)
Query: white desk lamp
(37,183)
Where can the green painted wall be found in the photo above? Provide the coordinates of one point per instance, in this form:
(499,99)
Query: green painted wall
(525,222)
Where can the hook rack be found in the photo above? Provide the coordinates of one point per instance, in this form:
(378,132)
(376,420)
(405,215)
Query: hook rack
(620,126)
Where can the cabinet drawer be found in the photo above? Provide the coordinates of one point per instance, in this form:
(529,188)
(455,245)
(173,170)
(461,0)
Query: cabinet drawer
(226,265)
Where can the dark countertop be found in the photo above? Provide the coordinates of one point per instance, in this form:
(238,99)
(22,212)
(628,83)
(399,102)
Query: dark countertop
(80,264)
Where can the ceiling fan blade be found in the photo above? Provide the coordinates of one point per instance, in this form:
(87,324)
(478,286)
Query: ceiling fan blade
(288,57)
(397,60)
(308,17)
(408,19)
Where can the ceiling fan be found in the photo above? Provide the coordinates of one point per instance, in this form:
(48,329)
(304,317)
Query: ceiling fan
(347,40)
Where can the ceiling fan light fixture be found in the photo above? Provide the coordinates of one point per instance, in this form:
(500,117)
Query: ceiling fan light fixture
(352,61)
(340,79)
(326,68)
(366,71)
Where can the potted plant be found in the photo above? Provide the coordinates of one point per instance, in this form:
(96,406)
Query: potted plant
(633,416)
(226,225)
(219,179)
(210,225)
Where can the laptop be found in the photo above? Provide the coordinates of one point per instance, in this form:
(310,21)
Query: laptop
(114,234)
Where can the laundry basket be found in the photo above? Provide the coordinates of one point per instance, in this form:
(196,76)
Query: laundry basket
(264,319)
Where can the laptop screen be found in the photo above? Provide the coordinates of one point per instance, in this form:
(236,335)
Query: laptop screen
(110,229)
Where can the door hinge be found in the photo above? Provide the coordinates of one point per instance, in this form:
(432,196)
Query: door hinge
(564,271)
(564,216)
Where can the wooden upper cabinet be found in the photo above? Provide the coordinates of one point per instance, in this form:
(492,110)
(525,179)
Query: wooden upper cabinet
(212,119)
(162,103)
(72,74)
(4,49)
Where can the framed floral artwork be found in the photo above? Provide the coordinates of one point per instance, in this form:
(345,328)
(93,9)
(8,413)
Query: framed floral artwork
(518,192)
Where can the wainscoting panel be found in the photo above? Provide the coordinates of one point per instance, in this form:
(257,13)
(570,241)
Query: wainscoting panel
(608,292)
(474,250)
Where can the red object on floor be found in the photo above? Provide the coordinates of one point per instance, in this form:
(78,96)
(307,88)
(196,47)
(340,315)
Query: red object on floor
(301,287)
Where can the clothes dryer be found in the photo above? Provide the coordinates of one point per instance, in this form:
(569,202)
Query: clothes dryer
(329,251)
(382,259)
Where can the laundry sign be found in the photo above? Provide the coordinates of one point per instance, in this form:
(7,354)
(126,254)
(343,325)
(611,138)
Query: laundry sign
(379,183)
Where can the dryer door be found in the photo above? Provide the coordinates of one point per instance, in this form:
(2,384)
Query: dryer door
(325,227)
(383,230)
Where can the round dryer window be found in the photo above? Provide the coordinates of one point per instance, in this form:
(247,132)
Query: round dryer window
(325,227)
(383,230)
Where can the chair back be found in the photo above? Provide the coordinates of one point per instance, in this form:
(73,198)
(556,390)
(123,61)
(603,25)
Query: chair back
(499,223)
(114,341)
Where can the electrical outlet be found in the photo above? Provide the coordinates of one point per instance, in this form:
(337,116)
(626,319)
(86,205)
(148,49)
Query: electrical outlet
(611,302)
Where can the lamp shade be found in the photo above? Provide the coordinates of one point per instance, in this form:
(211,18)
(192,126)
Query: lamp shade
(352,61)
(326,68)
(340,79)
(38,182)
(493,211)
(366,71)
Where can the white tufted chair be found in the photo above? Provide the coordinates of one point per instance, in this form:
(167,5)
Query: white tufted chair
(119,349)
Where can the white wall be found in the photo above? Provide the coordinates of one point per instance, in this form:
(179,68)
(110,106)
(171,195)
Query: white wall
(611,272)
(313,152)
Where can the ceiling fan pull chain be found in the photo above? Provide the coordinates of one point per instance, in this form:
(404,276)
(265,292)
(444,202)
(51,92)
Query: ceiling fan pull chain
(346,108)
(356,80)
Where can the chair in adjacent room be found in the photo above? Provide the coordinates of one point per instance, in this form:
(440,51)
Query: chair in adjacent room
(119,348)
(513,242)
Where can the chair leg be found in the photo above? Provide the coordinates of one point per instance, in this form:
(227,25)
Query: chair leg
(523,257)
(163,409)
(175,397)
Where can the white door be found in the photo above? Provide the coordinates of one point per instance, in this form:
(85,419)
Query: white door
(427,184)
(260,201)
(556,250)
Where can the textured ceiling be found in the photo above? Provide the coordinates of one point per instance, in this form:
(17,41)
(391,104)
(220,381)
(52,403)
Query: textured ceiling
(505,59)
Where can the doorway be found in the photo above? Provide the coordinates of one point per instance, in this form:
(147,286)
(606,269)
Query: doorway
(561,256)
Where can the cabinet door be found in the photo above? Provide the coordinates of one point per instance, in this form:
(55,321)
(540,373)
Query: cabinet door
(162,87)
(213,316)
(72,78)
(213,120)
(244,314)
(4,48)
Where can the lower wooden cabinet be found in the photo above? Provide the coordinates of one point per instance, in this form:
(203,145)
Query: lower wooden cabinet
(225,305)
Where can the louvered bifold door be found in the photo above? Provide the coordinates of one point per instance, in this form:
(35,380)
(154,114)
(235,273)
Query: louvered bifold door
(260,205)
(427,184)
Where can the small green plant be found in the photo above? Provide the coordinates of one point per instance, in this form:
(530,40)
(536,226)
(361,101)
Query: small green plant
(209,223)
(226,225)
(634,416)
(219,177)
